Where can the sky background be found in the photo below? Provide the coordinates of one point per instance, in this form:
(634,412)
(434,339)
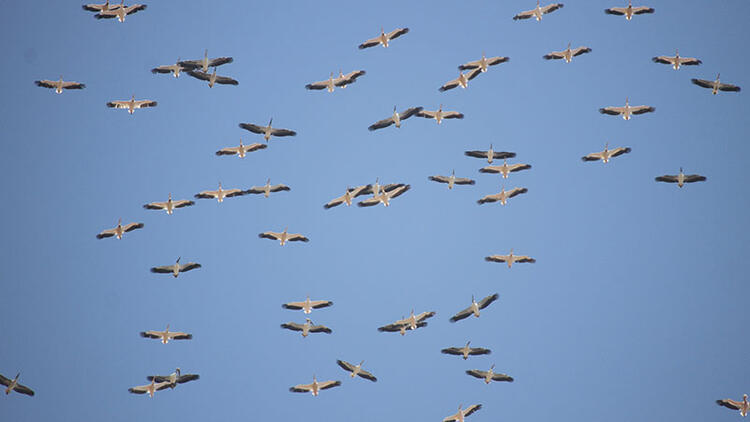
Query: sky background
(635,310)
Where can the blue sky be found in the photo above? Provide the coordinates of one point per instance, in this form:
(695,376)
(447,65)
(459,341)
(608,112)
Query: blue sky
(635,308)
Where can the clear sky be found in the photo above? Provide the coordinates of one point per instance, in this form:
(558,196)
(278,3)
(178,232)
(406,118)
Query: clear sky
(635,310)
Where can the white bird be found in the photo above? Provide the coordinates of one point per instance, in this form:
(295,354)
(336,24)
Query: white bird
(439,114)
(205,63)
(242,150)
(483,63)
(119,230)
(452,180)
(220,193)
(743,406)
(681,178)
(400,327)
(212,78)
(356,370)
(100,7)
(166,335)
(176,268)
(347,197)
(489,375)
(567,54)
(13,385)
(462,413)
(538,11)
(466,351)
(268,188)
(283,237)
(131,105)
(315,387)
(169,206)
(462,80)
(676,61)
(627,111)
(120,12)
(716,86)
(59,85)
(502,196)
(606,155)
(505,169)
(490,154)
(267,131)
(629,11)
(149,388)
(174,69)
(396,118)
(306,328)
(174,378)
(474,308)
(510,259)
(384,196)
(384,39)
(332,82)
(307,305)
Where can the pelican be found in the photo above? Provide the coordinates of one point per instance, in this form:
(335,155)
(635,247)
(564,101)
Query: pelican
(174,69)
(220,193)
(241,150)
(676,61)
(743,406)
(502,196)
(149,388)
(267,131)
(174,378)
(628,11)
(356,370)
(490,375)
(538,11)
(169,206)
(461,414)
(176,268)
(212,78)
(715,86)
(341,81)
(315,387)
(452,180)
(483,63)
(606,155)
(627,111)
(383,39)
(59,85)
(439,115)
(166,335)
(13,385)
(132,104)
(466,351)
(119,230)
(681,178)
(505,169)
(384,197)
(396,118)
(475,307)
(306,328)
(510,259)
(412,321)
(283,237)
(100,7)
(400,327)
(307,305)
(567,54)
(205,63)
(120,12)
(347,197)
(462,80)
(374,189)
(490,154)
(268,188)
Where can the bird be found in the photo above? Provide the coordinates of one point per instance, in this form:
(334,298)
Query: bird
(396,118)
(466,351)
(120,12)
(475,307)
(205,63)
(743,406)
(307,305)
(149,388)
(174,69)
(676,61)
(384,197)
(283,237)
(212,78)
(606,155)
(13,385)
(132,104)
(510,259)
(490,154)
(176,268)
(681,178)
(220,193)
(502,196)
(462,413)
(412,321)
(489,375)
(629,11)
(268,188)
(315,387)
(174,378)
(627,111)
(356,370)
(119,230)
(399,327)
(377,187)
(100,7)
(267,131)
(462,80)
(439,114)
(343,80)
(383,39)
(567,54)
(242,150)
(483,63)
(347,197)
(306,328)
(59,85)
(340,81)
(452,180)
(538,11)
(505,169)
(715,86)
(169,206)
(166,335)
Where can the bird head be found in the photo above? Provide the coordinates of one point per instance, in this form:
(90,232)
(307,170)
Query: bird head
(178,259)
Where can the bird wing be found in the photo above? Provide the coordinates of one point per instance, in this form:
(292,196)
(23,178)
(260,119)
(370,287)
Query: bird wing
(474,351)
(301,388)
(187,378)
(427,114)
(279,188)
(487,301)
(409,112)
(182,203)
(23,390)
(73,85)
(317,85)
(226,80)
(189,266)
(580,50)
(425,315)
(689,61)
(4,381)
(381,124)
(372,42)
(702,82)
(473,74)
(199,74)
(462,314)
(452,351)
(516,191)
(253,128)
(490,169)
(166,269)
(451,418)
(463,181)
(118,104)
(283,132)
(132,226)
(320,329)
(162,69)
(524,258)
(144,104)
(502,377)
(518,167)
(594,156)
(476,154)
(179,336)
(218,61)
(439,179)
(496,258)
(664,60)
(555,55)
(470,65)
(619,151)
(690,178)
(729,403)
(476,373)
(207,194)
(317,304)
(296,238)
(612,111)
(155,206)
(398,191)
(524,15)
(257,189)
(551,7)
(452,115)
(729,87)
(295,306)
(345,365)
(642,109)
(619,11)
(349,78)
(151,334)
(471,409)
(446,86)
(328,384)
(666,178)
(642,9)
(231,193)
(292,326)
(369,202)
(134,8)
(190,64)
(334,202)
(396,33)
(106,233)
(489,198)
(367,375)
(45,83)
(270,235)
(497,60)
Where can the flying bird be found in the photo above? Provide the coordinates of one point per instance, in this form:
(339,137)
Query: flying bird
(489,375)
(502,196)
(343,80)
(466,351)
(743,406)
(306,328)
(474,308)
(347,197)
(267,131)
(169,206)
(439,114)
(538,11)
(629,11)
(396,118)
(268,188)
(176,268)
(627,111)
(131,105)
(462,80)
(490,154)
(307,305)
(59,85)
(174,69)
(283,237)
(315,387)
(676,61)
(567,54)
(120,12)
(242,150)
(205,63)
(716,86)
(681,178)
(399,327)
(356,370)
(462,413)
(377,187)
(452,180)
(100,7)
(505,169)
(384,196)
(606,155)
(166,335)
(383,39)
(510,259)
(149,388)
(212,78)
(220,193)
(119,230)
(13,385)
(483,63)
(174,378)
(340,81)
(412,321)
